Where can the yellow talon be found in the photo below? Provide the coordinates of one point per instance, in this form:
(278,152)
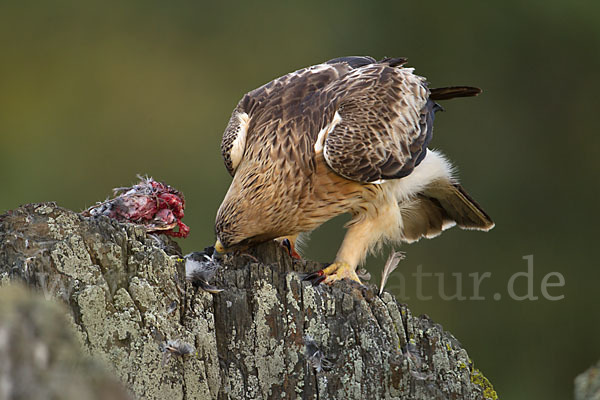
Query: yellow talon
(340,270)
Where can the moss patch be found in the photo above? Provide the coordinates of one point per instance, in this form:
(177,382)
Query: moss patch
(478,379)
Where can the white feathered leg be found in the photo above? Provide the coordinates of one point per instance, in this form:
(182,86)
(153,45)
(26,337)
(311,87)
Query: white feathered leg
(366,231)
(379,219)
(369,231)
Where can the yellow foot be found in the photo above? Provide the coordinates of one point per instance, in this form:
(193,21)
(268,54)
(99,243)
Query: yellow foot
(334,272)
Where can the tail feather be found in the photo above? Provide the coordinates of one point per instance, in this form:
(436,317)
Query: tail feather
(439,207)
(423,217)
(460,207)
(451,92)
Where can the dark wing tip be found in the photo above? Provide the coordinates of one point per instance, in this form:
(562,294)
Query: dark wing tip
(360,61)
(393,61)
(451,92)
(353,61)
(481,220)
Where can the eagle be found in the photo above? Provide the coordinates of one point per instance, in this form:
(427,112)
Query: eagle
(349,135)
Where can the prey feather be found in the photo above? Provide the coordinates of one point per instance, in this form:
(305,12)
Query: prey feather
(390,265)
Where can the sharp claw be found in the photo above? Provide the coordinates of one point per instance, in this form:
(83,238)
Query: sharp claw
(332,272)
(320,279)
(315,278)
(290,248)
(313,275)
(286,243)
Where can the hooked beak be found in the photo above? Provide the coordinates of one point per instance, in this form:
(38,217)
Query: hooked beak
(219,248)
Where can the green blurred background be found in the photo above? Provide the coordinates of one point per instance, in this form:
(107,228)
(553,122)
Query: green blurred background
(93,93)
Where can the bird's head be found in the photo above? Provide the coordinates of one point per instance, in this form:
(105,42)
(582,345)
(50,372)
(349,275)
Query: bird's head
(237,234)
(240,224)
(228,241)
(253,210)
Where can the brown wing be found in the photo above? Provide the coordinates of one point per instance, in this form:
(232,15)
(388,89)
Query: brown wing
(293,102)
(262,111)
(385,121)
(234,139)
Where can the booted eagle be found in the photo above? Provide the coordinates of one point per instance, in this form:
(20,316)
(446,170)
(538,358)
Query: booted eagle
(346,136)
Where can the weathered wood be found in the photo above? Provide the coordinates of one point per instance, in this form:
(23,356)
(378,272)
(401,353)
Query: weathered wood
(40,359)
(587,384)
(125,289)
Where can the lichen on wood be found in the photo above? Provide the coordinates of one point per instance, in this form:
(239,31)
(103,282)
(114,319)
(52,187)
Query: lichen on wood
(124,288)
(587,384)
(40,359)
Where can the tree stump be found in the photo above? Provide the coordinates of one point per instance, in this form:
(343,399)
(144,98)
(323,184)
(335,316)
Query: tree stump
(587,384)
(40,359)
(268,335)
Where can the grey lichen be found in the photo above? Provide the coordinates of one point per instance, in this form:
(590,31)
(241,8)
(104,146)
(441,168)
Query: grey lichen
(40,358)
(122,287)
(587,384)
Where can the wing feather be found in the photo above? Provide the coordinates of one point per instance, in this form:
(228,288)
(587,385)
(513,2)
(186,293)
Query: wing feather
(371,120)
(263,116)
(233,143)
(386,123)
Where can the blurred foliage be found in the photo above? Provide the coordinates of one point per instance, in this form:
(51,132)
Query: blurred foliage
(93,93)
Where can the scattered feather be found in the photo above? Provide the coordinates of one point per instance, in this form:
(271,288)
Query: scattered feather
(175,347)
(415,362)
(168,246)
(390,265)
(178,347)
(172,307)
(413,354)
(157,336)
(315,356)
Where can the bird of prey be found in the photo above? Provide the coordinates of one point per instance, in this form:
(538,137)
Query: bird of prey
(346,136)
